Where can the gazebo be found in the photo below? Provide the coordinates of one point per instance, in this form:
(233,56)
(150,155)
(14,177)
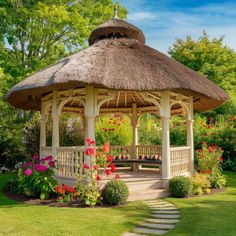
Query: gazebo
(118,73)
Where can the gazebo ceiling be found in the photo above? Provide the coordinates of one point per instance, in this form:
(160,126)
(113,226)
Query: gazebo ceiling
(119,60)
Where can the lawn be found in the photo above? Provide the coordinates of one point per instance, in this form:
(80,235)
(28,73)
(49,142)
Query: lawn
(22,219)
(201,216)
(210,215)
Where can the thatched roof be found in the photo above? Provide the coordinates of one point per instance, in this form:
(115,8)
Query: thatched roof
(120,64)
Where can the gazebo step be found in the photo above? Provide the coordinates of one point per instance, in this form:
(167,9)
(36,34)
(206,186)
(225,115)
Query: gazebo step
(148,194)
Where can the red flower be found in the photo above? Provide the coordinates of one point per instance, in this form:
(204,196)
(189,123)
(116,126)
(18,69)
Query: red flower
(210,150)
(71,189)
(95,167)
(86,166)
(90,152)
(204,143)
(109,158)
(199,150)
(231,118)
(213,147)
(202,171)
(117,177)
(221,159)
(113,167)
(58,189)
(98,178)
(108,172)
(208,126)
(105,147)
(64,186)
(221,149)
(208,171)
(63,191)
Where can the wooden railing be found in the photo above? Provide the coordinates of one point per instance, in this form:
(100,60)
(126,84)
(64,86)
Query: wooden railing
(70,161)
(179,161)
(148,151)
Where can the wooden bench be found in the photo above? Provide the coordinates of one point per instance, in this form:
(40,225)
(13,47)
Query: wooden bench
(132,162)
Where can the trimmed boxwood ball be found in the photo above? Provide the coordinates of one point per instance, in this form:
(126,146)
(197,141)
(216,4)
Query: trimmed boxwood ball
(180,186)
(116,192)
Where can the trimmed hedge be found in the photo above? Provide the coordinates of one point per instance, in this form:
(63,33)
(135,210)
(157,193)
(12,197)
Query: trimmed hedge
(116,192)
(180,186)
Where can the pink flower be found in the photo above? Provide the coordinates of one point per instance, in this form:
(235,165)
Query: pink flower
(92,143)
(88,140)
(35,157)
(28,172)
(86,166)
(90,152)
(117,177)
(204,143)
(40,168)
(51,163)
(48,158)
(27,164)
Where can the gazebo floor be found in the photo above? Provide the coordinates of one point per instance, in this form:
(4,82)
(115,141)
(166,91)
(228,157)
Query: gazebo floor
(143,184)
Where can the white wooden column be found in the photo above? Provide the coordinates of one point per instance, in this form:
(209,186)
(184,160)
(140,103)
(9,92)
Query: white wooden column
(43,122)
(135,128)
(165,117)
(190,137)
(55,125)
(90,112)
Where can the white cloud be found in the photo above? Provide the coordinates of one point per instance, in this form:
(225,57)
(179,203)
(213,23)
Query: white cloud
(163,27)
(141,16)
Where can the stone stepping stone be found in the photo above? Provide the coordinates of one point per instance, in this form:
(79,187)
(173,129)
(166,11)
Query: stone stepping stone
(132,234)
(156,202)
(169,216)
(163,221)
(164,212)
(143,230)
(160,205)
(158,226)
(164,208)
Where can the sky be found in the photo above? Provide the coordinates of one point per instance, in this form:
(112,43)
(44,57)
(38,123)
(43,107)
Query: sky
(163,21)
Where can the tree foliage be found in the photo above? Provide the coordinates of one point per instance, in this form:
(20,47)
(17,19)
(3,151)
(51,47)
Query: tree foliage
(36,33)
(211,59)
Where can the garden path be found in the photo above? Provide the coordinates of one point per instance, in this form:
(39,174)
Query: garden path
(164,216)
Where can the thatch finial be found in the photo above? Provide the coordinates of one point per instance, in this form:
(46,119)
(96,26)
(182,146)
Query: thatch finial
(116,11)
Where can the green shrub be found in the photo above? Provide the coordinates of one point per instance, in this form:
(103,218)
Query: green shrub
(217,179)
(180,186)
(116,192)
(200,181)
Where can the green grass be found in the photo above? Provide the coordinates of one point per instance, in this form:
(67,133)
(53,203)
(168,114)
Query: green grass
(23,219)
(201,216)
(210,215)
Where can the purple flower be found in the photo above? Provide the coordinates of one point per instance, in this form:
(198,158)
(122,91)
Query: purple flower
(27,164)
(28,172)
(51,163)
(35,157)
(40,168)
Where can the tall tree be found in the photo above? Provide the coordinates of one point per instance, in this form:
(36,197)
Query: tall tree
(211,59)
(35,33)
